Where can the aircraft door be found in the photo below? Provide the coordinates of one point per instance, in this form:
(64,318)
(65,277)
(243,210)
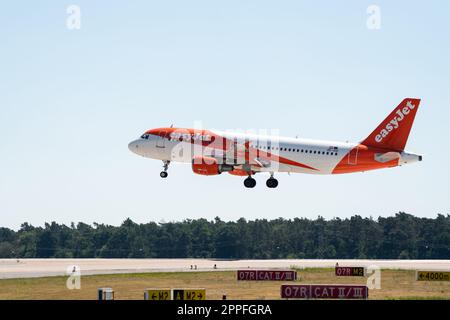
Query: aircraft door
(353,156)
(160,142)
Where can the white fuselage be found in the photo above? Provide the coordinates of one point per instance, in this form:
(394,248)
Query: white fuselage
(323,156)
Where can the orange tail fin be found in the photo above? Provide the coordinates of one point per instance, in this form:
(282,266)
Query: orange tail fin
(393,132)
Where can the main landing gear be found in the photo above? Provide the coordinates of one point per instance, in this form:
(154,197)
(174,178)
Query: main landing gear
(164,173)
(249,182)
(270,183)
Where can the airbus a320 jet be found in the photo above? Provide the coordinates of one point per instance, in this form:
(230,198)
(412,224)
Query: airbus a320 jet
(212,152)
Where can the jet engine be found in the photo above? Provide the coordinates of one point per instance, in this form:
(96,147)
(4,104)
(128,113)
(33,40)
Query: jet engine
(209,166)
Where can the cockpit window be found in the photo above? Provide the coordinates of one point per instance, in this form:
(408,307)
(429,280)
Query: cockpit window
(145,136)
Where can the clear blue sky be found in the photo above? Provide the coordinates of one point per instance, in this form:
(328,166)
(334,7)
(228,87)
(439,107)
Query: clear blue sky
(71,100)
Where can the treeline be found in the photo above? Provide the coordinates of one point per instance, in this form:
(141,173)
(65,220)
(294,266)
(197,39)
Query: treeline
(400,237)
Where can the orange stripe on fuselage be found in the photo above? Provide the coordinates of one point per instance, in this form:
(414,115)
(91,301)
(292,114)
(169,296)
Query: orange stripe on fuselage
(273,157)
(221,143)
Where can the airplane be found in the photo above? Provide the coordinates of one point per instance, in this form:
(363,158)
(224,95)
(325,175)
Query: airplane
(212,152)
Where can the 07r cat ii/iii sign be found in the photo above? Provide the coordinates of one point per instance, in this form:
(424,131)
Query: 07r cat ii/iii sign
(324,291)
(267,275)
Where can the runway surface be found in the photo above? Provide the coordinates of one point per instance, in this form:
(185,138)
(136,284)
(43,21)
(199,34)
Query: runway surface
(28,268)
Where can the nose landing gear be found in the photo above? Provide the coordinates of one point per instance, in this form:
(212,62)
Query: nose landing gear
(164,173)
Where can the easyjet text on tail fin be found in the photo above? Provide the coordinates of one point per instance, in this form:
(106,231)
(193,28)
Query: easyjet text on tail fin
(393,132)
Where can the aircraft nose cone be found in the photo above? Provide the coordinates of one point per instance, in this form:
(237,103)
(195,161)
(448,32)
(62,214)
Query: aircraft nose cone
(133,146)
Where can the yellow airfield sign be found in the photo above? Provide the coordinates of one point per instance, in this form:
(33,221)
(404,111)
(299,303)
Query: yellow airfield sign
(189,294)
(433,275)
(157,294)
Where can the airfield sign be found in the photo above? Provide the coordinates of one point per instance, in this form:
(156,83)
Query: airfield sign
(349,271)
(189,294)
(334,291)
(433,275)
(267,275)
(157,294)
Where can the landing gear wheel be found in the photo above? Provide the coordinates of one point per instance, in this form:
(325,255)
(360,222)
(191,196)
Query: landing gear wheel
(163,174)
(272,183)
(249,182)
